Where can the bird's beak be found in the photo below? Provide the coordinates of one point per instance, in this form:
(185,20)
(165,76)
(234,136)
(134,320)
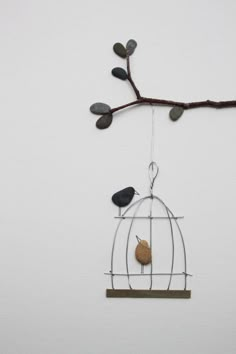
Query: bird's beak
(137,193)
(138,239)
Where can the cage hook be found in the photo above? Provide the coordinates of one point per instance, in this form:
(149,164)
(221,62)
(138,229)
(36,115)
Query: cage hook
(153,170)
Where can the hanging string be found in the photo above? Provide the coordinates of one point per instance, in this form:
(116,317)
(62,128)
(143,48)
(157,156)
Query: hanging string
(152,134)
(152,168)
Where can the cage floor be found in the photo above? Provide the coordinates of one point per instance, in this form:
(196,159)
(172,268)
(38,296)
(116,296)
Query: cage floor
(171,294)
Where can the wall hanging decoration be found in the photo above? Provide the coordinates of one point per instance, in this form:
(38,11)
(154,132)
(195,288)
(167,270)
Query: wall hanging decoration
(140,253)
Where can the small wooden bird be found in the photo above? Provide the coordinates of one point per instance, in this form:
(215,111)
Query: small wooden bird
(123,197)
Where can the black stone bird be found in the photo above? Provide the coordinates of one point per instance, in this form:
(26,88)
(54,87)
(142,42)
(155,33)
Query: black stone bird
(124,197)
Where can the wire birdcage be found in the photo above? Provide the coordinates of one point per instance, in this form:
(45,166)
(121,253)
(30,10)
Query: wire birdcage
(166,250)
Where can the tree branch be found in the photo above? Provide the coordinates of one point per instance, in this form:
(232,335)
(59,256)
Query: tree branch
(161,102)
(190,105)
(174,114)
(185,105)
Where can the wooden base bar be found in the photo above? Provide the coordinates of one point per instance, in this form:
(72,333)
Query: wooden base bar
(171,294)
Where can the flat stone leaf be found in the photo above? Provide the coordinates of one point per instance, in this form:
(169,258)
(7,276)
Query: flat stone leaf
(104,121)
(130,46)
(120,50)
(119,73)
(100,108)
(176,112)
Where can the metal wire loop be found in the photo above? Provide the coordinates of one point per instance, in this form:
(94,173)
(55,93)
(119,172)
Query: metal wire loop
(153,170)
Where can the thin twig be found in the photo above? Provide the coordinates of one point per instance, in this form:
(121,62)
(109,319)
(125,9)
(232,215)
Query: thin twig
(129,77)
(126,105)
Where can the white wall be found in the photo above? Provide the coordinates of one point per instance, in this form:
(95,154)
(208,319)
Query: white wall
(58,172)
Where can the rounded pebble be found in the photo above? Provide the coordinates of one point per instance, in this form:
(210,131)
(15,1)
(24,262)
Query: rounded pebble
(143,252)
(100,108)
(119,73)
(176,112)
(120,50)
(131,46)
(104,121)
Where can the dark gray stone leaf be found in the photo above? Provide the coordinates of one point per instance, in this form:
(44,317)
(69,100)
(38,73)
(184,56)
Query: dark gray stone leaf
(100,108)
(130,46)
(120,50)
(104,121)
(176,112)
(119,73)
